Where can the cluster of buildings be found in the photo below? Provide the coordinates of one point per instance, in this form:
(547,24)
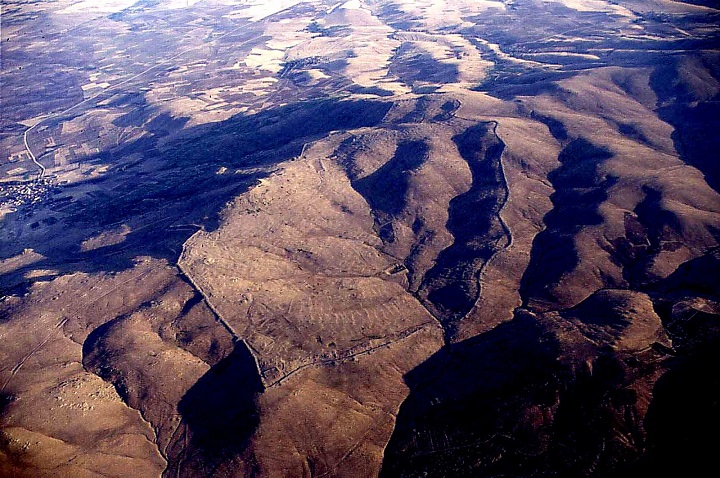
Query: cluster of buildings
(16,195)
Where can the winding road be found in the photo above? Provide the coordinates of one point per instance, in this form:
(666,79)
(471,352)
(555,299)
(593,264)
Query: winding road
(41,172)
(503,224)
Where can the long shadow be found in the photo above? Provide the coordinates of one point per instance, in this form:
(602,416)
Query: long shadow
(653,229)
(465,405)
(220,413)
(414,67)
(5,400)
(579,191)
(428,109)
(684,414)
(696,118)
(386,188)
(451,284)
(168,193)
(523,400)
(699,277)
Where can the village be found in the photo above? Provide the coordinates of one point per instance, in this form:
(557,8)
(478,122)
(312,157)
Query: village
(24,197)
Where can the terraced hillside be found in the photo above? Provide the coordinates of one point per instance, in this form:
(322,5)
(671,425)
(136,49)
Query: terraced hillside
(369,238)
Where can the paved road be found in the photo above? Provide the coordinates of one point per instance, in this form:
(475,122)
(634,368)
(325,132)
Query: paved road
(41,173)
